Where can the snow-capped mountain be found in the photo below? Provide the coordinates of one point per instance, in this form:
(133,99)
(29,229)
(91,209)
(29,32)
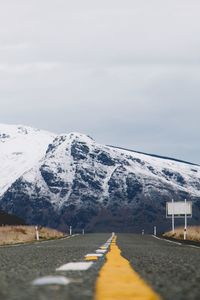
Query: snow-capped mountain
(21,147)
(70,179)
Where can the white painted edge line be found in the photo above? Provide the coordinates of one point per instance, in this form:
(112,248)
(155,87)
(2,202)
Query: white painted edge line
(51,280)
(94,254)
(177,243)
(75,266)
(168,241)
(192,246)
(37,242)
(70,236)
(14,245)
(53,240)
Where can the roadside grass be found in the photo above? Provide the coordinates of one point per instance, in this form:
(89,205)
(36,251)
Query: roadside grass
(193,233)
(25,234)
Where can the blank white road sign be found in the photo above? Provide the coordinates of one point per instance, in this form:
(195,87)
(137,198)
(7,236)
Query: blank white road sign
(179,208)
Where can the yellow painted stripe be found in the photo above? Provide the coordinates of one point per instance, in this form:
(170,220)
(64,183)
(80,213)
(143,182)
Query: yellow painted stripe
(91,258)
(118,281)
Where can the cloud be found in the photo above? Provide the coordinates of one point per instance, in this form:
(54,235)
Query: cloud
(126,73)
(14,47)
(28,67)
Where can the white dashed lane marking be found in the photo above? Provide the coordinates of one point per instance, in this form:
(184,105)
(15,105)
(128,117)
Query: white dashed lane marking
(101,251)
(94,254)
(75,266)
(51,280)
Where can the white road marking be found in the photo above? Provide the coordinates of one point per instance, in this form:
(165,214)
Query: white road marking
(38,242)
(177,243)
(69,236)
(13,245)
(101,251)
(75,266)
(104,246)
(94,254)
(52,280)
(192,246)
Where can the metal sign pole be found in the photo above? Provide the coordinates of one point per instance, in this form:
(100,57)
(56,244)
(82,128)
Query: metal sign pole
(70,230)
(173,215)
(179,209)
(185,214)
(185,229)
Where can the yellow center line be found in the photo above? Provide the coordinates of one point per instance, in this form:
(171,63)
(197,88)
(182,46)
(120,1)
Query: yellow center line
(91,258)
(118,281)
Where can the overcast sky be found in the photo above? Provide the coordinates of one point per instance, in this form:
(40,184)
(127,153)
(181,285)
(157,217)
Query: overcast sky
(125,72)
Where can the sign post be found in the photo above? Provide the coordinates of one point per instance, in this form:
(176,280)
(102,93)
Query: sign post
(173,215)
(179,209)
(37,233)
(70,230)
(185,229)
(185,234)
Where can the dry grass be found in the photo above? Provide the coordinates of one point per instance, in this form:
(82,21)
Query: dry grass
(25,234)
(193,233)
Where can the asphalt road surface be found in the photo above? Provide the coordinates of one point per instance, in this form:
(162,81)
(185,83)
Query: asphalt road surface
(172,270)
(20,265)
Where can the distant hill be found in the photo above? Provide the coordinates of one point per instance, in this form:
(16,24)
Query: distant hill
(7,219)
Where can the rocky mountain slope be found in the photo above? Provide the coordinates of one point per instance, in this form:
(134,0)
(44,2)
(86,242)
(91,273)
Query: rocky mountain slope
(7,219)
(72,180)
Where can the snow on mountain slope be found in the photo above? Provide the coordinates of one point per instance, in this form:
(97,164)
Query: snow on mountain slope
(21,147)
(70,179)
(82,183)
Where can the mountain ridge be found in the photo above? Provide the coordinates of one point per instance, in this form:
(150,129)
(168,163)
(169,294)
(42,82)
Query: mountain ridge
(156,155)
(75,181)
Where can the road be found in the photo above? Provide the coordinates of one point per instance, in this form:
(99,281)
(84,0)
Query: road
(171,270)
